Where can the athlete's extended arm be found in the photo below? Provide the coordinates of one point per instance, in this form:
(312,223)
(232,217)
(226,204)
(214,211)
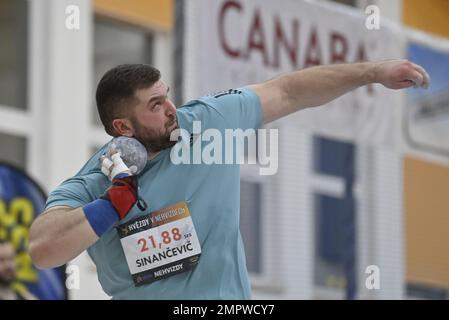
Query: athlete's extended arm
(319,85)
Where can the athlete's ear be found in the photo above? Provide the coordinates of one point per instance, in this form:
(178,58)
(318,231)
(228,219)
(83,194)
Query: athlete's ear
(123,127)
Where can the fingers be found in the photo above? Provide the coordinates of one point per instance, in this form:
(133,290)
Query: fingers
(105,171)
(106,166)
(116,159)
(112,151)
(426,78)
(112,164)
(401,74)
(417,78)
(106,162)
(405,84)
(118,165)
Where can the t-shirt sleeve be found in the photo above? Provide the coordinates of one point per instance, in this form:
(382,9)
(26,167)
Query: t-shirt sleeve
(239,108)
(74,193)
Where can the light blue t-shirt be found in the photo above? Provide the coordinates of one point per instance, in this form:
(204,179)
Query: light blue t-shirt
(212,193)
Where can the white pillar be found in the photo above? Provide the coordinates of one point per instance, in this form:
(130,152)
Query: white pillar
(163,57)
(295,215)
(60,79)
(69,73)
(388,223)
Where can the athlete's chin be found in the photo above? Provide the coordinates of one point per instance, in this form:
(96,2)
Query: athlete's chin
(171,132)
(162,145)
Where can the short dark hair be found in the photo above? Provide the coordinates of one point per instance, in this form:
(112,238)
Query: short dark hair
(117,87)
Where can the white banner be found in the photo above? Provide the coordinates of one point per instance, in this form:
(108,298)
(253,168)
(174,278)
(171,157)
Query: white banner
(235,43)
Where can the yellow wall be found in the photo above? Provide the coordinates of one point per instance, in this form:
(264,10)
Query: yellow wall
(427,15)
(426,185)
(149,14)
(426,200)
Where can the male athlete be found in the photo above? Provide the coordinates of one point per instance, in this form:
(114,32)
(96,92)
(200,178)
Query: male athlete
(185,242)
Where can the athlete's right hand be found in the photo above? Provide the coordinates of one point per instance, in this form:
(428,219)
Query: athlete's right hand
(123,192)
(113,166)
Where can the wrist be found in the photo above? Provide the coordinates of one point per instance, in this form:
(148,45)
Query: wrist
(101,215)
(371,73)
(122,175)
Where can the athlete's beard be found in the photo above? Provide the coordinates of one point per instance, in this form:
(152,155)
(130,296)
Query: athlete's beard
(153,140)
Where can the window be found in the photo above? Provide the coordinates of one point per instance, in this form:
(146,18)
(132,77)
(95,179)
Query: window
(114,44)
(13,150)
(418,291)
(250,223)
(334,215)
(352,3)
(13,53)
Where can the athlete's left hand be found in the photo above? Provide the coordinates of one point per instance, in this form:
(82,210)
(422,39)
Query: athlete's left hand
(400,74)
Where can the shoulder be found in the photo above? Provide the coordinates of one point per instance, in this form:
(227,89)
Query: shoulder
(232,108)
(216,101)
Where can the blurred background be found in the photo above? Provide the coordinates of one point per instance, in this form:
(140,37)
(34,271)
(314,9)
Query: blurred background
(359,208)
